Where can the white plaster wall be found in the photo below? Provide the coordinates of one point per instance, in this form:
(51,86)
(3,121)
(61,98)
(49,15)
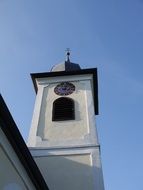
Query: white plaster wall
(46,133)
(67,172)
(68,169)
(12,174)
(59,130)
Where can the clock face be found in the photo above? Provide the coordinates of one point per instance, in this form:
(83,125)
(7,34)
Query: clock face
(64,88)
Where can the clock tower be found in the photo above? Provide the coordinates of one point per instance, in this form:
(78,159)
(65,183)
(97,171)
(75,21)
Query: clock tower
(63,137)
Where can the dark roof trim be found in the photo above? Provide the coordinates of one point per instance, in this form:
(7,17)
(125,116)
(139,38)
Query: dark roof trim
(15,139)
(92,71)
(69,66)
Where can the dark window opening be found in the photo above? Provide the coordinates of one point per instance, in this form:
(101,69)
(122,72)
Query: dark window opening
(63,109)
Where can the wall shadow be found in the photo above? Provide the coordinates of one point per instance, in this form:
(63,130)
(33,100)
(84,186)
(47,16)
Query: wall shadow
(70,172)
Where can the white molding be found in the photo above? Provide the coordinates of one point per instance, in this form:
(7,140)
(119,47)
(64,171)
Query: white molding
(63,151)
(57,79)
(35,120)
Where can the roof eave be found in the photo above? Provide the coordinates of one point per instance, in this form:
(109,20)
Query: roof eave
(14,137)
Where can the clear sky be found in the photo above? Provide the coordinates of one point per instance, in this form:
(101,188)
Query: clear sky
(104,34)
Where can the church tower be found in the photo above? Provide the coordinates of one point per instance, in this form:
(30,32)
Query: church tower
(63,137)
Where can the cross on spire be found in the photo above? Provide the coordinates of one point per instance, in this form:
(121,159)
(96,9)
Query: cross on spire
(68,54)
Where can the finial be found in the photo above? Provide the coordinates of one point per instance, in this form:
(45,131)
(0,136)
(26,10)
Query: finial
(68,54)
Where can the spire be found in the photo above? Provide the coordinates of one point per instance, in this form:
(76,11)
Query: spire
(68,54)
(67,65)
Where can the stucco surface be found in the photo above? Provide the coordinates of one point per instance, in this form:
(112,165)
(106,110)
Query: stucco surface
(8,173)
(67,172)
(47,133)
(12,174)
(60,130)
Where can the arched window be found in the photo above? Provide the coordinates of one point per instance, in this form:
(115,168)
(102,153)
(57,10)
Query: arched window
(63,109)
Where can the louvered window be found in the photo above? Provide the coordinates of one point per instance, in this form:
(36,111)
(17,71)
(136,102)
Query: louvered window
(63,109)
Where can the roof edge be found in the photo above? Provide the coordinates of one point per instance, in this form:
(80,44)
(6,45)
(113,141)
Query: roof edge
(15,139)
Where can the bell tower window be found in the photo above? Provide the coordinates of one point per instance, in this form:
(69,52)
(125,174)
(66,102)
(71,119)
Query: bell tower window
(63,109)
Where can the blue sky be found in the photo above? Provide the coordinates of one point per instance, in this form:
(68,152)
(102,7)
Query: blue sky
(104,34)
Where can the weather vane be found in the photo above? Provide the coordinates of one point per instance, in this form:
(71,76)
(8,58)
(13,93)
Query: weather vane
(68,54)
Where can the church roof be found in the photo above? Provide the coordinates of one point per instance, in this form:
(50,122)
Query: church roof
(66,66)
(14,137)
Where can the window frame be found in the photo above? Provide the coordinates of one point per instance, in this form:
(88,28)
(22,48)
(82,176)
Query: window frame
(69,111)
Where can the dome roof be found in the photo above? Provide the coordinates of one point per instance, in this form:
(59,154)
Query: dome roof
(66,66)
